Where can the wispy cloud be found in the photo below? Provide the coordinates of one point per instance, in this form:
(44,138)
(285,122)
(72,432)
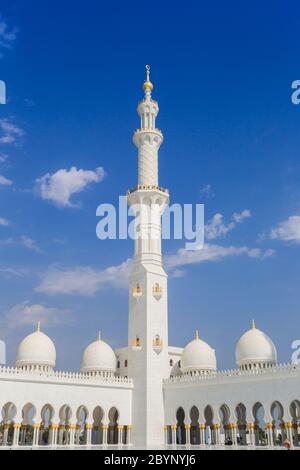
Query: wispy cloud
(24,241)
(83,280)
(26,313)
(3,157)
(4,222)
(62,185)
(9,273)
(7,241)
(7,35)
(30,244)
(216,227)
(5,181)
(10,133)
(207,191)
(288,230)
(213,253)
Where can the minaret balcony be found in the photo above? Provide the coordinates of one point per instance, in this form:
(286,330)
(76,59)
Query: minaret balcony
(149,135)
(142,187)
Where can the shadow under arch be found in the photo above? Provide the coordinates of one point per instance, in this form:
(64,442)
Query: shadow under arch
(180,431)
(209,417)
(26,431)
(260,434)
(241,417)
(195,431)
(47,415)
(97,432)
(226,431)
(112,436)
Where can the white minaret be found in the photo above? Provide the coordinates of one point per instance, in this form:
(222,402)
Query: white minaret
(148,295)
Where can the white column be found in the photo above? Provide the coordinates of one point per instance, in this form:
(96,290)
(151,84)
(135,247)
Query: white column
(269,427)
(128,441)
(36,435)
(174,440)
(251,433)
(188,434)
(17,428)
(289,426)
(105,434)
(72,434)
(202,434)
(89,428)
(61,430)
(217,428)
(120,435)
(166,435)
(234,434)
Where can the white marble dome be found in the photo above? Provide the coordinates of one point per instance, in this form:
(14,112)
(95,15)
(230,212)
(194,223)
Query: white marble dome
(198,356)
(255,348)
(36,350)
(98,357)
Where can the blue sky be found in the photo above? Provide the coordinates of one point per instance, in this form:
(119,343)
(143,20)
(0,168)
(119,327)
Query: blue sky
(222,76)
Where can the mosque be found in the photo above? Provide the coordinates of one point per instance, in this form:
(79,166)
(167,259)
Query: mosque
(149,394)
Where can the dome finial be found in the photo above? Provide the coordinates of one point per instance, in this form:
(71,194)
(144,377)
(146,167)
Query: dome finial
(148,86)
(38,328)
(253,325)
(197,334)
(99,336)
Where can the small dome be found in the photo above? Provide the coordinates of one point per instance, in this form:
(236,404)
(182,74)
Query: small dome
(198,356)
(37,349)
(98,357)
(255,347)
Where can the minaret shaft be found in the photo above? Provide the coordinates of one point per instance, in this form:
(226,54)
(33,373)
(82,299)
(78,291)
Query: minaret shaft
(148,299)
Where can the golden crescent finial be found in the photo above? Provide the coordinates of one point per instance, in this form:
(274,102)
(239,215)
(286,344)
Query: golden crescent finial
(148,73)
(147,84)
(38,329)
(99,336)
(253,325)
(197,334)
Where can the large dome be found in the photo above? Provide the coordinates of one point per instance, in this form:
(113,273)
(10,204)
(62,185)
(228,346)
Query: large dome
(198,356)
(255,347)
(36,350)
(98,357)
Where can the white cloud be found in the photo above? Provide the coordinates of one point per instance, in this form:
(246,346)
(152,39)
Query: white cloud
(213,253)
(3,157)
(60,187)
(30,314)
(4,181)
(8,273)
(216,228)
(10,133)
(288,230)
(4,222)
(7,241)
(7,35)
(207,191)
(30,244)
(83,280)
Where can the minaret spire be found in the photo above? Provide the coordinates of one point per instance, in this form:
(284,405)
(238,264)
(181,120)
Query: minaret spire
(148,86)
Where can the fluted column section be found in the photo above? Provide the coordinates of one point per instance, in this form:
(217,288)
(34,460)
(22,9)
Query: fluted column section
(147,165)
